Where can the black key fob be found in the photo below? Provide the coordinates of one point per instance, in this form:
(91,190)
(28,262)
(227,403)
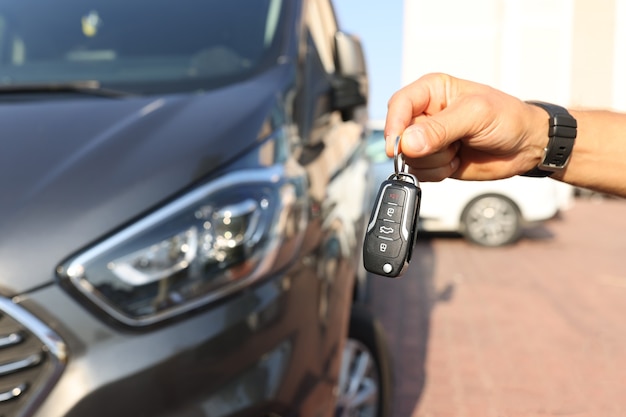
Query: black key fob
(392,228)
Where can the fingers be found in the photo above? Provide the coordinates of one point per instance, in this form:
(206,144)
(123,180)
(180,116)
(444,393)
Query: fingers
(436,174)
(426,96)
(427,135)
(403,107)
(430,114)
(436,166)
(406,107)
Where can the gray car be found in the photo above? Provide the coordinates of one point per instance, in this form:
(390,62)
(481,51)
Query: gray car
(184,196)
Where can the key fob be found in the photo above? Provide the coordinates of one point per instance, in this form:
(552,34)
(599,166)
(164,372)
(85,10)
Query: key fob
(392,227)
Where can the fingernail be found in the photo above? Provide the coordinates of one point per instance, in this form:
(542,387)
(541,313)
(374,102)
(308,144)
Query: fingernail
(413,141)
(389,144)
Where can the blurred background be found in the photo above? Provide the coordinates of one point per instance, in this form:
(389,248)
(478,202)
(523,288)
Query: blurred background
(571,52)
(380,25)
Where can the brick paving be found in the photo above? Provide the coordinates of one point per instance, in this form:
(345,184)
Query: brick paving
(531,330)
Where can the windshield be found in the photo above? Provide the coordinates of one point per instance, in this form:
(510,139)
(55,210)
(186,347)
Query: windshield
(140,46)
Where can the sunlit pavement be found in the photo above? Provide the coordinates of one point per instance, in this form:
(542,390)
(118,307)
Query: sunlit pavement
(535,329)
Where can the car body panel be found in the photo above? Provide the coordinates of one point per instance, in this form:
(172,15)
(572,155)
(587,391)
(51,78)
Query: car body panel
(52,189)
(247,344)
(79,169)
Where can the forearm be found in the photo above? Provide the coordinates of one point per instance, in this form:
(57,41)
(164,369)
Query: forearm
(598,160)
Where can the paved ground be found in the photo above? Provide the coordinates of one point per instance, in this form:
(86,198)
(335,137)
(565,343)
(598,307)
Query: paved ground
(536,329)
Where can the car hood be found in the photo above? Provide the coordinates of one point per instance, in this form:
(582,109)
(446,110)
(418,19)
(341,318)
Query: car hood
(72,170)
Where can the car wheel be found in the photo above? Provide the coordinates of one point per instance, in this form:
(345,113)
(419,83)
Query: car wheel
(365,378)
(491,220)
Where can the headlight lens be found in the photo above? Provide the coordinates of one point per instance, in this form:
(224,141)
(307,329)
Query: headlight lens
(199,248)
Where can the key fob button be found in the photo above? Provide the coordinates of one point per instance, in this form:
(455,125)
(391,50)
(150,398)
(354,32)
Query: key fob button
(383,247)
(394,195)
(391,212)
(389,230)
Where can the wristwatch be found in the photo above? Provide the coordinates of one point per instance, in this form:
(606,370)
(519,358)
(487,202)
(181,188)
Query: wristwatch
(561,136)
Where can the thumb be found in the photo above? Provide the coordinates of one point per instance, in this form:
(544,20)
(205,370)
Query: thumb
(426,136)
(430,134)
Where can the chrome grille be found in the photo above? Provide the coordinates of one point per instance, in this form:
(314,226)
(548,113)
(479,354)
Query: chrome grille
(32,357)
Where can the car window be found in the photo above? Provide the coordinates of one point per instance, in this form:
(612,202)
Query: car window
(140,44)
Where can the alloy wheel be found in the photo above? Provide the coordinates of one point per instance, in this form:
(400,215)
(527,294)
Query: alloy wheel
(359,382)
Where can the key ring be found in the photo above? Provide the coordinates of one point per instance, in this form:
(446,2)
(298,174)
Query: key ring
(398,161)
(400,165)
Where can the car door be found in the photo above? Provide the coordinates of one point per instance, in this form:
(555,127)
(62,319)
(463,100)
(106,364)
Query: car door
(331,150)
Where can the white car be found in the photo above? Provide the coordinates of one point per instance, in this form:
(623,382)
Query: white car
(488,213)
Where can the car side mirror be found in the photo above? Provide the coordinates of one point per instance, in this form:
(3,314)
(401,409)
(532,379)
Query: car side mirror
(350,83)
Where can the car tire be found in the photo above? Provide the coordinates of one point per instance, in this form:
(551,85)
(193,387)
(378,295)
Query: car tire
(491,220)
(365,381)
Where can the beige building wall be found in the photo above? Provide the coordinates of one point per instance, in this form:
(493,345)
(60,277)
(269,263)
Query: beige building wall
(571,52)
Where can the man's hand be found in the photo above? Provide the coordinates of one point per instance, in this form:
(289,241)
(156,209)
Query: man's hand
(455,128)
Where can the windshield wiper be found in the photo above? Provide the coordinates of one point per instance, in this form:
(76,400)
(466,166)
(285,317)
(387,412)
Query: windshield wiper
(83,87)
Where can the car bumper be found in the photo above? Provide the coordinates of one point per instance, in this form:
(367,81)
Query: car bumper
(248,355)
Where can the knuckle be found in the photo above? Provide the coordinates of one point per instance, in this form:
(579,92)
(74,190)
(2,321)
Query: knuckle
(481,105)
(437,77)
(399,96)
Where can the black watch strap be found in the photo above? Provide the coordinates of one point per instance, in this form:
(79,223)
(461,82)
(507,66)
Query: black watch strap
(561,136)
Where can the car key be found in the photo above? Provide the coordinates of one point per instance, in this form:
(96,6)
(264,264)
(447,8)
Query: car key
(392,227)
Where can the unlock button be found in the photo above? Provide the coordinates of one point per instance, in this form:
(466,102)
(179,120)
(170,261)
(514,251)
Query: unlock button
(391,212)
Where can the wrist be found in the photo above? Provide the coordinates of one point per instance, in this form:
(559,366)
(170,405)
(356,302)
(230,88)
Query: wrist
(536,138)
(561,134)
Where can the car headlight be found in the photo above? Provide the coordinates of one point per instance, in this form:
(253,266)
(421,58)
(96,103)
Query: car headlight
(201,247)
